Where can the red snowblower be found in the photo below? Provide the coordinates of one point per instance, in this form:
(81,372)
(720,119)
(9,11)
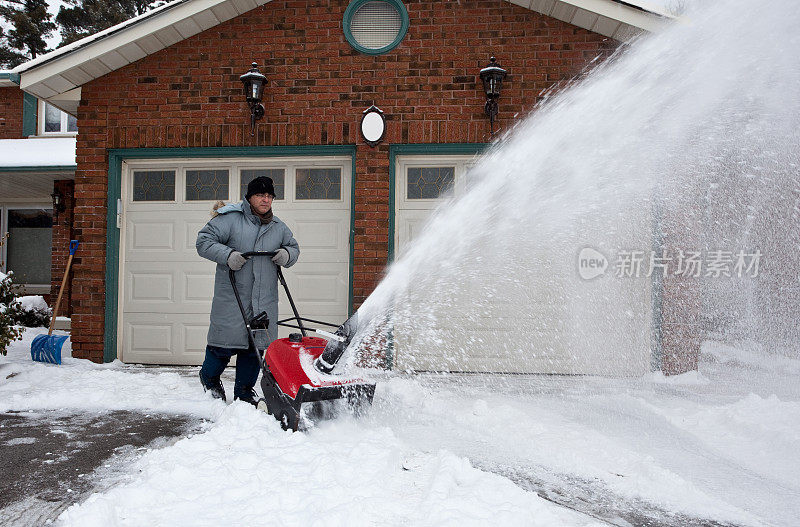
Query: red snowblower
(299,369)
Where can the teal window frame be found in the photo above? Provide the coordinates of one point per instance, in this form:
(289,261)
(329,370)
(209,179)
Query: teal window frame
(351,10)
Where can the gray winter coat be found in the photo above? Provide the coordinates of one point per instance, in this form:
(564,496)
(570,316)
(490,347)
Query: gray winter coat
(236,228)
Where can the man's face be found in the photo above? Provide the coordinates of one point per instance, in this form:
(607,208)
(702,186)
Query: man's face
(261,203)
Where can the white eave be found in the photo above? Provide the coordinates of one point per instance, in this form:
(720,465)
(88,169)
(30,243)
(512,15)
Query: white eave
(617,19)
(58,75)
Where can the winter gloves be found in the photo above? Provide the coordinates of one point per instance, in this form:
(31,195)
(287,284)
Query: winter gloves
(281,257)
(236,260)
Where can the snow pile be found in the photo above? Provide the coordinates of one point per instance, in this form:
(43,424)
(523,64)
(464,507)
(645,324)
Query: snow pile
(246,471)
(82,384)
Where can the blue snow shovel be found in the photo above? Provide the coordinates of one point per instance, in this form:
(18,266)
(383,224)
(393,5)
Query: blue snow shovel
(47,348)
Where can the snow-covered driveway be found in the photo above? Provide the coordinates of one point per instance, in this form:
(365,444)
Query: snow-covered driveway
(711,448)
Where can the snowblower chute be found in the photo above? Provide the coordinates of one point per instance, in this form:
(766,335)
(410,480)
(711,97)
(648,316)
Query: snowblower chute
(299,369)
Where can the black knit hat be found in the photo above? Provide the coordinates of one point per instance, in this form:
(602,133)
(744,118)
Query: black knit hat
(260,185)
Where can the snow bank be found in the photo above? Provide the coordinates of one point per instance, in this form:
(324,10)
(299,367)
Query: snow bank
(246,471)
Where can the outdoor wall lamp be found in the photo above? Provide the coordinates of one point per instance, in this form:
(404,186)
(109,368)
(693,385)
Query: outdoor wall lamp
(58,203)
(254,82)
(492,77)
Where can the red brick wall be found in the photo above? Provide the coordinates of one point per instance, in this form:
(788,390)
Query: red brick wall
(62,234)
(11,113)
(189,95)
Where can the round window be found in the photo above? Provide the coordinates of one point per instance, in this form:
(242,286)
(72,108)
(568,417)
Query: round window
(375,26)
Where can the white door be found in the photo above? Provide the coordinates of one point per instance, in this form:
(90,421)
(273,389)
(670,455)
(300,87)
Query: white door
(541,326)
(166,288)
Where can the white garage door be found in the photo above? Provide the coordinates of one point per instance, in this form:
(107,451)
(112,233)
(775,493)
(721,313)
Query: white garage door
(166,288)
(536,328)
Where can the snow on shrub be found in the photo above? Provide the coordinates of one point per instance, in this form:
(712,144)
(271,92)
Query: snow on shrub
(8,332)
(31,312)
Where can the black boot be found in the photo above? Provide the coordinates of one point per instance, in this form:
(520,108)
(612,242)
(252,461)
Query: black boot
(248,396)
(214,386)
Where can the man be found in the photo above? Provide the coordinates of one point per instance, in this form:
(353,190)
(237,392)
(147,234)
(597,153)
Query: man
(239,228)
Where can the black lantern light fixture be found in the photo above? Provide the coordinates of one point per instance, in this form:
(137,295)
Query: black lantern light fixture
(58,203)
(254,82)
(492,77)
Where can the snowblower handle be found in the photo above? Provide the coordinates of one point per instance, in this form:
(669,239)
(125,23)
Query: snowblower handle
(283,283)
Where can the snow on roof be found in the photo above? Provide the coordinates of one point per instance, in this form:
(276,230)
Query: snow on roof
(37,152)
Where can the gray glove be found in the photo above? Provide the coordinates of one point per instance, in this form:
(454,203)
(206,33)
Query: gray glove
(236,260)
(281,257)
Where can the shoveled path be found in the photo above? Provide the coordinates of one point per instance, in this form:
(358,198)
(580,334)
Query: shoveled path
(50,460)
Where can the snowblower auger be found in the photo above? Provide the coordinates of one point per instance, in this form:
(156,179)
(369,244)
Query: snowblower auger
(299,369)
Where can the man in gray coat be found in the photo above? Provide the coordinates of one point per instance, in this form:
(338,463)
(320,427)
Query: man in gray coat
(239,228)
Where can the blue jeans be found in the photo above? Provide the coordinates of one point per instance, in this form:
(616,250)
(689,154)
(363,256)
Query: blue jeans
(246,367)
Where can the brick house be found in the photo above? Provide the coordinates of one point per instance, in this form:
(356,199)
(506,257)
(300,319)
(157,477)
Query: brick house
(165,132)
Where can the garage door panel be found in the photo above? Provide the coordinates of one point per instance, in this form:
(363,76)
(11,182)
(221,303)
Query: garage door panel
(409,224)
(194,337)
(152,287)
(166,287)
(150,337)
(320,235)
(155,338)
(321,290)
(199,287)
(152,236)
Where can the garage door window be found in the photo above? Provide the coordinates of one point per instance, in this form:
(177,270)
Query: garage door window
(276,174)
(429,182)
(206,185)
(318,183)
(157,185)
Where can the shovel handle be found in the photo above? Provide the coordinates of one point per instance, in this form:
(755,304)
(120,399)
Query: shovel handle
(73,246)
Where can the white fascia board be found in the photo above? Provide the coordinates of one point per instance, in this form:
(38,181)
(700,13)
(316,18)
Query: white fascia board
(102,46)
(621,12)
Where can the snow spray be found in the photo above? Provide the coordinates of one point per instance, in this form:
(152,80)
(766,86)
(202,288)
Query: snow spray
(673,162)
